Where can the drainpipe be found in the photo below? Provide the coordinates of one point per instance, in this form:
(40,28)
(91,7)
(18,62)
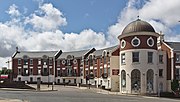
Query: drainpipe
(172,65)
(54,60)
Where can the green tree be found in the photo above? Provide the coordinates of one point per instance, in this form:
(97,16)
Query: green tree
(174,85)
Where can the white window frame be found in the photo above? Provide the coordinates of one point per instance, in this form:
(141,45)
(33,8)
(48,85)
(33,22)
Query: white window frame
(150,38)
(135,38)
(123,45)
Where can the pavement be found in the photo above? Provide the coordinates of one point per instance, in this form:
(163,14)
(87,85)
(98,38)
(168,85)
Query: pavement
(11,100)
(59,88)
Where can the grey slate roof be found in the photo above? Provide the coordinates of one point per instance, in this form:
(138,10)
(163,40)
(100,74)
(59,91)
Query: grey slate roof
(35,54)
(100,51)
(76,54)
(174,45)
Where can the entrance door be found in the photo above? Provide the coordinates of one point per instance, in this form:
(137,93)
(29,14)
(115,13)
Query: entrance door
(135,81)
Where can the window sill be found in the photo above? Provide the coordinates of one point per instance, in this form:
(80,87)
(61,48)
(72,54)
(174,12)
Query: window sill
(135,62)
(123,63)
(161,77)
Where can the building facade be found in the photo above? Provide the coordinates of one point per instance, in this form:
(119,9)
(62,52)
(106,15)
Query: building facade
(142,63)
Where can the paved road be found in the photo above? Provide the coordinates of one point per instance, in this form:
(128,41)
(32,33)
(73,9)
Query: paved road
(70,94)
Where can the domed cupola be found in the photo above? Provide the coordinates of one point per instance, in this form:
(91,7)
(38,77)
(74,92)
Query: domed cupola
(138,26)
(138,34)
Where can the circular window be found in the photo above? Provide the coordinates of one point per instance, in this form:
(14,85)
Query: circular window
(75,61)
(63,62)
(150,42)
(135,42)
(123,44)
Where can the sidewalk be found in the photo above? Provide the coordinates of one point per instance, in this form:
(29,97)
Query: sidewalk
(44,87)
(11,100)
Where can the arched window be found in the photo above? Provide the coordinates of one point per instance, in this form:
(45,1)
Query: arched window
(123,78)
(150,80)
(135,80)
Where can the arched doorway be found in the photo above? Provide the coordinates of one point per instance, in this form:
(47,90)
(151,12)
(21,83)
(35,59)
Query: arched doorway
(150,81)
(123,80)
(135,81)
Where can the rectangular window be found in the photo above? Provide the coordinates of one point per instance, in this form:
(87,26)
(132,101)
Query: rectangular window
(25,61)
(31,61)
(19,61)
(95,72)
(160,72)
(45,71)
(108,71)
(100,72)
(123,58)
(45,63)
(25,71)
(108,59)
(81,71)
(101,60)
(177,74)
(58,72)
(160,58)
(86,61)
(135,56)
(177,58)
(105,70)
(75,73)
(91,62)
(58,62)
(39,61)
(39,71)
(150,57)
(50,71)
(50,61)
(19,71)
(105,60)
(31,71)
(95,61)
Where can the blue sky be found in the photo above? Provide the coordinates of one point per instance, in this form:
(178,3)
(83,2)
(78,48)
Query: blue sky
(37,25)
(97,15)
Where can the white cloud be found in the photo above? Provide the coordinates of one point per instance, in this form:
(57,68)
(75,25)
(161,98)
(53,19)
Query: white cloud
(161,14)
(48,19)
(13,10)
(165,10)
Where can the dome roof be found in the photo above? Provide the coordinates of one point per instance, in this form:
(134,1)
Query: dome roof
(138,26)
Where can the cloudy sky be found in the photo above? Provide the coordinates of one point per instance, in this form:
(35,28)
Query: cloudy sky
(78,24)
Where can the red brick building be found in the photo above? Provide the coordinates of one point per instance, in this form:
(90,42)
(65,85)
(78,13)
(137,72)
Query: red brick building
(143,62)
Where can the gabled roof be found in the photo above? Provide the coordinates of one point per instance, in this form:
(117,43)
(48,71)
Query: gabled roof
(100,51)
(35,54)
(174,45)
(76,54)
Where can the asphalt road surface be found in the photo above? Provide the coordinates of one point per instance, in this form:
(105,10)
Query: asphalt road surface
(70,94)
